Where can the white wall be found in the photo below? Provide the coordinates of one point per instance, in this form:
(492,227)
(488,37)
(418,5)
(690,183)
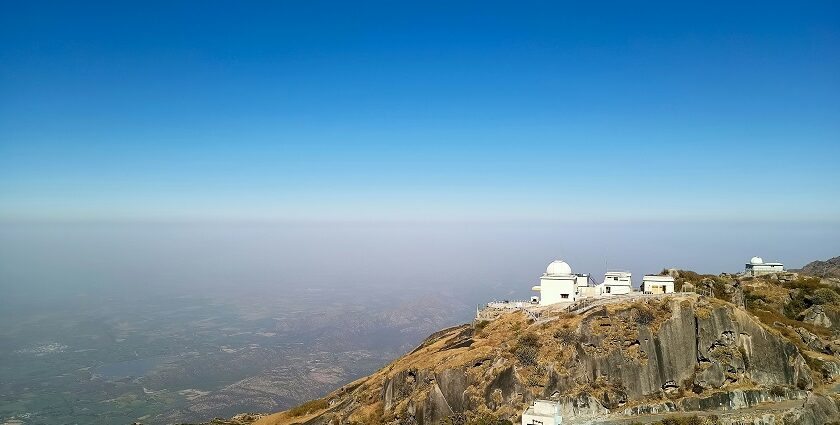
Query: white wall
(615,288)
(542,412)
(539,419)
(759,269)
(589,291)
(621,286)
(648,282)
(552,289)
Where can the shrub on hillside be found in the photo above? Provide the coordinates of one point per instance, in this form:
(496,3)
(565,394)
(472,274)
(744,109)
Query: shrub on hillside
(797,304)
(527,348)
(529,340)
(805,283)
(693,420)
(719,288)
(461,419)
(644,315)
(566,336)
(753,300)
(489,420)
(682,420)
(825,296)
(527,356)
(690,275)
(309,407)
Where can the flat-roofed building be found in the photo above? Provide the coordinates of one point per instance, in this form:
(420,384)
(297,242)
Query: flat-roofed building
(757,267)
(542,412)
(616,283)
(655,284)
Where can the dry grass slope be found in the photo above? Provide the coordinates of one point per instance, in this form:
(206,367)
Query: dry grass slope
(536,353)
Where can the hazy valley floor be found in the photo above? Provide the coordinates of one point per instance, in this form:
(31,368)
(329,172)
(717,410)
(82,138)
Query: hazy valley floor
(192,358)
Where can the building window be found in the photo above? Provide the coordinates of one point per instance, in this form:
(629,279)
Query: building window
(564,295)
(608,289)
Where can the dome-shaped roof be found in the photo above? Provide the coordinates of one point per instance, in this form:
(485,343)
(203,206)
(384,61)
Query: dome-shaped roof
(558,267)
(756,260)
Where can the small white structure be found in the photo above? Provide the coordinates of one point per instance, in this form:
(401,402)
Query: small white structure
(558,284)
(616,283)
(757,267)
(542,412)
(588,291)
(655,284)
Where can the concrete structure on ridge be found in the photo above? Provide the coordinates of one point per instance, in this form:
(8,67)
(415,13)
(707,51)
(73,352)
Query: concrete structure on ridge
(542,412)
(616,283)
(655,284)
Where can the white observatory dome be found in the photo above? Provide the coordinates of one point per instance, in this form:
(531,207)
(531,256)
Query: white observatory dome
(558,267)
(756,260)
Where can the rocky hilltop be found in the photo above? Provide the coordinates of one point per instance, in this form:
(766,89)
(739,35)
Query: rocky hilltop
(826,269)
(760,350)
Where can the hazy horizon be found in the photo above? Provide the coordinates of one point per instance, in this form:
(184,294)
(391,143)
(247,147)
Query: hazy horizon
(483,259)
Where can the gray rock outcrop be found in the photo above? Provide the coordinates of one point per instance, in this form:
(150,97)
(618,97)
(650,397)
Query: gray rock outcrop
(821,316)
(817,410)
(692,354)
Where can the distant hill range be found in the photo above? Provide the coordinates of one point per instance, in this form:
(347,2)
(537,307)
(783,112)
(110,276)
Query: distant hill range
(825,269)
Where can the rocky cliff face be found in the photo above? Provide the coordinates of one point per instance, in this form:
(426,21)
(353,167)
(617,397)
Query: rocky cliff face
(660,354)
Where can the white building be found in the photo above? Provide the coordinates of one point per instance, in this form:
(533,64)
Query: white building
(655,284)
(616,283)
(542,412)
(757,267)
(558,284)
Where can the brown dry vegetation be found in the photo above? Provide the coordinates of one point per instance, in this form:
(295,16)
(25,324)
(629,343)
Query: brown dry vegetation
(777,303)
(510,338)
(537,349)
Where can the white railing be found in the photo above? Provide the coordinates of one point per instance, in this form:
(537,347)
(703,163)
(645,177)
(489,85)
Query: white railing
(494,309)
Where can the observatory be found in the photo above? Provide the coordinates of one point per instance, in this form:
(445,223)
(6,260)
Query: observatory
(757,267)
(558,284)
(561,288)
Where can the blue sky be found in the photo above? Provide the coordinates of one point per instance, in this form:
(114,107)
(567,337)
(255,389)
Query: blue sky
(424,111)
